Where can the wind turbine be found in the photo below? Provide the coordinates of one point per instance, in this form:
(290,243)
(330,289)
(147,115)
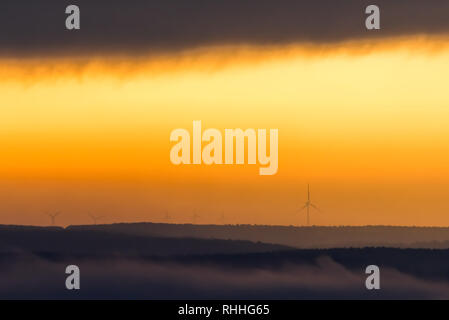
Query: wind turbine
(167,217)
(222,217)
(309,204)
(194,217)
(53,217)
(95,218)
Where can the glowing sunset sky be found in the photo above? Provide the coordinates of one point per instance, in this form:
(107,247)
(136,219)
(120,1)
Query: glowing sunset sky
(365,121)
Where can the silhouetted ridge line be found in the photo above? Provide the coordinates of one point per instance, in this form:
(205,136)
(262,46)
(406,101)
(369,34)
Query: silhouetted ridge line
(299,237)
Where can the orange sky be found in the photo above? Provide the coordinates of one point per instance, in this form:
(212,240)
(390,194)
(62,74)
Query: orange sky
(365,123)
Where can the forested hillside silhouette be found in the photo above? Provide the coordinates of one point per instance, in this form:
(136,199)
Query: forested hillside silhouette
(298,237)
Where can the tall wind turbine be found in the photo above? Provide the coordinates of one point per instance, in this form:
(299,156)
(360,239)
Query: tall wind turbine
(95,218)
(309,204)
(53,217)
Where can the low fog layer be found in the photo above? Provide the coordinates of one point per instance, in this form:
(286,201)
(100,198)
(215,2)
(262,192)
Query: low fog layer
(124,279)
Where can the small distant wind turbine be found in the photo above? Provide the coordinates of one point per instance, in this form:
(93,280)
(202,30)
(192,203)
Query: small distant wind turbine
(222,217)
(53,217)
(195,216)
(309,204)
(167,217)
(95,218)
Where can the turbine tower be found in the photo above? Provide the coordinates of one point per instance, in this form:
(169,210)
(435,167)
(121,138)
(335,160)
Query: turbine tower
(53,217)
(309,204)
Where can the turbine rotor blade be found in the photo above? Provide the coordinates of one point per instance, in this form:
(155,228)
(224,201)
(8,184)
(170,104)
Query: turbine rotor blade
(315,207)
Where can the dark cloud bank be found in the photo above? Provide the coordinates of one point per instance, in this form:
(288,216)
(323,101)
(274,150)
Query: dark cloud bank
(138,26)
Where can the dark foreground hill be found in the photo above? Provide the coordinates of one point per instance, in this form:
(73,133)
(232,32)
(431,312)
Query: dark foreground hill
(299,237)
(298,274)
(117,265)
(125,264)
